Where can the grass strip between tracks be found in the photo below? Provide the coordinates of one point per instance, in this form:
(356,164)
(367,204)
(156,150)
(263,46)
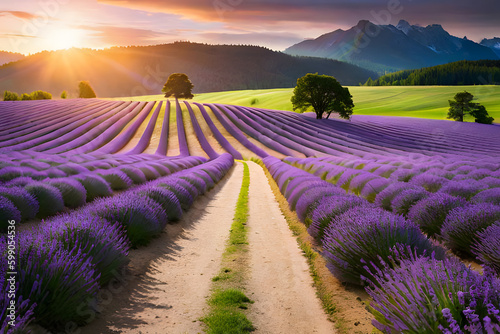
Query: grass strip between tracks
(228,301)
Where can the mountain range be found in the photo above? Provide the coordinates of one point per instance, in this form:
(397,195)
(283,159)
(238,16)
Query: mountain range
(391,48)
(133,71)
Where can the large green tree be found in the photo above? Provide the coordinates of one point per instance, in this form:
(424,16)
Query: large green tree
(178,85)
(85,90)
(324,94)
(462,106)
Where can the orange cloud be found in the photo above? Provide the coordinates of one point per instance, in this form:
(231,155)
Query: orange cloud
(18,14)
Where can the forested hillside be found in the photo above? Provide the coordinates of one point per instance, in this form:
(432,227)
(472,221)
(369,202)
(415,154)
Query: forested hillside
(133,71)
(480,72)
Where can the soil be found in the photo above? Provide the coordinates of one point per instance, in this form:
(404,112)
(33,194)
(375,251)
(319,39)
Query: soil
(165,286)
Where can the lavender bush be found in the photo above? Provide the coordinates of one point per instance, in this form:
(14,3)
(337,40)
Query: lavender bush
(95,186)
(135,174)
(142,217)
(426,295)
(19,181)
(23,309)
(431,212)
(430,182)
(22,200)
(385,197)
(487,247)
(116,179)
(465,188)
(461,225)
(183,195)
(105,244)
(60,283)
(72,191)
(327,210)
(366,235)
(166,198)
(8,211)
(372,188)
(403,202)
(488,196)
(49,198)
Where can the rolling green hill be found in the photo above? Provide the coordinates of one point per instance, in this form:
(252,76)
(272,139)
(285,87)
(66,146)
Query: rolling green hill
(415,101)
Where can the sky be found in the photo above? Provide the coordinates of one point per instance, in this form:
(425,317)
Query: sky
(31,26)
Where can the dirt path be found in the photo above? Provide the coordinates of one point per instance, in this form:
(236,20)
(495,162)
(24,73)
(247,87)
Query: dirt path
(170,278)
(279,280)
(167,282)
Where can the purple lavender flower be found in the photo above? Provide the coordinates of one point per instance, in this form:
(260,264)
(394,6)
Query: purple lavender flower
(431,212)
(328,209)
(430,182)
(49,198)
(166,198)
(19,181)
(366,235)
(385,197)
(183,195)
(72,191)
(9,173)
(310,199)
(426,295)
(95,186)
(24,309)
(487,247)
(62,284)
(403,202)
(359,181)
(464,188)
(104,243)
(116,178)
(373,188)
(461,225)
(8,212)
(149,172)
(488,196)
(296,192)
(135,174)
(22,200)
(142,217)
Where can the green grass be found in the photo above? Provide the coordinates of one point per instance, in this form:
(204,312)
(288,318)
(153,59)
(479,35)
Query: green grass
(228,299)
(410,101)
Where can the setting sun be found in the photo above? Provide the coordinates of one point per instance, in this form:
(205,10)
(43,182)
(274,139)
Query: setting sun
(58,39)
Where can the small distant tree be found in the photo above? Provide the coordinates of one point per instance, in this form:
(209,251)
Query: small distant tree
(178,85)
(40,95)
(324,94)
(462,106)
(85,91)
(25,97)
(10,96)
(64,94)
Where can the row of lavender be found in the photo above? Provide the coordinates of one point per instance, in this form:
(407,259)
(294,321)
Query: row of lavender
(469,192)
(40,185)
(291,134)
(415,285)
(63,263)
(367,177)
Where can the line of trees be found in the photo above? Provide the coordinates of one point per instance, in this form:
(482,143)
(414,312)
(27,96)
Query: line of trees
(36,95)
(85,90)
(479,72)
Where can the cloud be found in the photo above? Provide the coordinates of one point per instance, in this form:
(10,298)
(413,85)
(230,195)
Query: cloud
(18,14)
(304,15)
(122,36)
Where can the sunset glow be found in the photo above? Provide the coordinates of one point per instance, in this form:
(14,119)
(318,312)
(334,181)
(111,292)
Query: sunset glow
(63,39)
(30,26)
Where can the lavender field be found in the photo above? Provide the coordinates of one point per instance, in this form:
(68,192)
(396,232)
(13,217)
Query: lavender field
(398,206)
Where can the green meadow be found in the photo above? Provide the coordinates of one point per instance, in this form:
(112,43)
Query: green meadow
(409,101)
